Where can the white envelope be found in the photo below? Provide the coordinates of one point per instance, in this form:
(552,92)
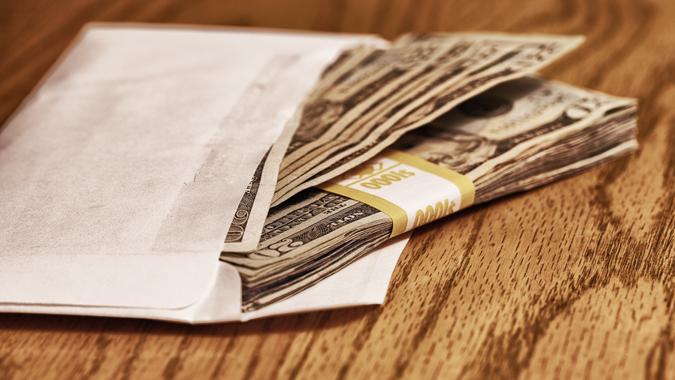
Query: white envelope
(120,173)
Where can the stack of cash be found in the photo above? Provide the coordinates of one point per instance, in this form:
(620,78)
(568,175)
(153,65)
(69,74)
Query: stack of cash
(468,106)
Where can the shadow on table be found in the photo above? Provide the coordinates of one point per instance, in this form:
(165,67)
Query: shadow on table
(278,324)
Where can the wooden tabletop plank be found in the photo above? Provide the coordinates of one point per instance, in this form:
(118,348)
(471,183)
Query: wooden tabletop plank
(574,280)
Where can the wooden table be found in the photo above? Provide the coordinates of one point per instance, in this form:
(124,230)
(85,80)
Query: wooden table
(573,280)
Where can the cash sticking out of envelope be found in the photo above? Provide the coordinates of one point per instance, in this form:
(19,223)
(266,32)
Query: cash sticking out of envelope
(219,174)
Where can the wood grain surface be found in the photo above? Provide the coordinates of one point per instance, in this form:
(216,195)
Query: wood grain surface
(575,280)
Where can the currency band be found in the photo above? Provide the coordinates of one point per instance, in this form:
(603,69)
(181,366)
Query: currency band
(411,190)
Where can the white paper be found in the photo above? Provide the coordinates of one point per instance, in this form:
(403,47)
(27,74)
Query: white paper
(120,173)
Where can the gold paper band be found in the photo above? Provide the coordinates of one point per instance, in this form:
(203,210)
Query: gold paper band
(389,170)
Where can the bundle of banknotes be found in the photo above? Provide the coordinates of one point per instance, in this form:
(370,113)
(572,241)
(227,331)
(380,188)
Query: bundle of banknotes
(393,138)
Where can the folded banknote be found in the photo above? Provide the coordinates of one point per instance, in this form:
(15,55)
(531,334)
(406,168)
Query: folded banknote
(370,96)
